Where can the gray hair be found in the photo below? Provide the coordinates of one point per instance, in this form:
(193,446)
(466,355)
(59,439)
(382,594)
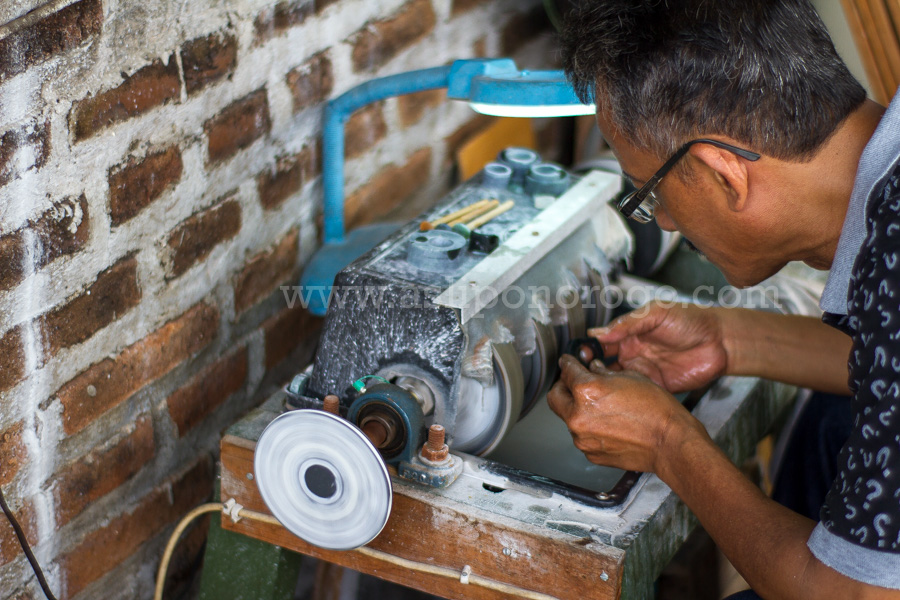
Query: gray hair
(763,72)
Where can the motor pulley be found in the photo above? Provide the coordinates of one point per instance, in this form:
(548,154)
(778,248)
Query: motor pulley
(323,479)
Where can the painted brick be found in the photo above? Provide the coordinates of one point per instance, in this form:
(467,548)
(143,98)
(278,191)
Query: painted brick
(149,87)
(134,184)
(15,260)
(208,59)
(193,240)
(277,19)
(206,392)
(323,4)
(288,176)
(111,381)
(113,293)
(311,82)
(102,550)
(60,231)
(9,543)
(460,6)
(523,28)
(286,331)
(13,453)
(479,47)
(101,471)
(238,125)
(364,129)
(388,189)
(23,149)
(413,107)
(265,271)
(52,35)
(378,42)
(12,349)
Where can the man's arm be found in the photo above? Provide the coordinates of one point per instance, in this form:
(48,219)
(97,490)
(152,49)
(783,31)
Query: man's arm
(793,349)
(684,347)
(765,541)
(623,420)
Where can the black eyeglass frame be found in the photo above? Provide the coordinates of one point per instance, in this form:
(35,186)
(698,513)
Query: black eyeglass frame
(630,203)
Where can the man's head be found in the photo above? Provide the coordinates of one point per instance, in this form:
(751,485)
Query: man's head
(760,74)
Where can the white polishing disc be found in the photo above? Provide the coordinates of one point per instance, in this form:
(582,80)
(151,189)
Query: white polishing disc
(323,479)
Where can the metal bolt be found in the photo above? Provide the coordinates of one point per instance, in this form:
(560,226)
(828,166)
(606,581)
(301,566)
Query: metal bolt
(507,552)
(436,435)
(435,449)
(331,404)
(603,496)
(604,576)
(250,476)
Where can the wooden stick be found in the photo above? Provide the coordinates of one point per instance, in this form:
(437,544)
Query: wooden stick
(473,225)
(429,225)
(867,54)
(480,211)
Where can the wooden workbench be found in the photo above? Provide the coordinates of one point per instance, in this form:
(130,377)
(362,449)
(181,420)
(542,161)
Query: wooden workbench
(540,542)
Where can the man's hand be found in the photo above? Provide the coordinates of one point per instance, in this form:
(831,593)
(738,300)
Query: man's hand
(618,419)
(680,348)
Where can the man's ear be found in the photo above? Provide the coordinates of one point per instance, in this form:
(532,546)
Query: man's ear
(730,173)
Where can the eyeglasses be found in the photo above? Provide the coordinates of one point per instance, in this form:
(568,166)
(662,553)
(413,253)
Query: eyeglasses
(641,204)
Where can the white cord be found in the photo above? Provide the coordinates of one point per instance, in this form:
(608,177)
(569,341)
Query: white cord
(173,539)
(412,565)
(234,510)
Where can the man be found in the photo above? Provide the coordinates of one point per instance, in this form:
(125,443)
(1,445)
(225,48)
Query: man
(742,129)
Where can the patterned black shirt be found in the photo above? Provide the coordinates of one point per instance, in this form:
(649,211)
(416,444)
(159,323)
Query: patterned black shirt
(863,506)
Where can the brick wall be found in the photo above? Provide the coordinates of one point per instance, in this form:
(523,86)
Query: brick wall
(159,179)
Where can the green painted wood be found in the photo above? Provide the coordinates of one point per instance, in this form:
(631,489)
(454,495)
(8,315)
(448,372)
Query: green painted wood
(237,567)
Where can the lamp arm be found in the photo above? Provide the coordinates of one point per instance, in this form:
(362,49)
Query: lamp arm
(337,112)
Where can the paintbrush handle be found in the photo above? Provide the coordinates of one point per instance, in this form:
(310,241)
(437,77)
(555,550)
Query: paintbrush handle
(478,211)
(473,225)
(426,225)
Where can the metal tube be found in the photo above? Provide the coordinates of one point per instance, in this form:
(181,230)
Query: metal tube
(339,110)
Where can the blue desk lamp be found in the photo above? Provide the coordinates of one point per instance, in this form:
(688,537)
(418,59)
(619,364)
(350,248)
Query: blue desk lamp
(491,86)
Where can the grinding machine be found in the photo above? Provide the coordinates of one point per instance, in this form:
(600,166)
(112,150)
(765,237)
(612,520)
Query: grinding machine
(446,332)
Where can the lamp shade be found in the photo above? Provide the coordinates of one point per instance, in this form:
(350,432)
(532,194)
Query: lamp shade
(526,94)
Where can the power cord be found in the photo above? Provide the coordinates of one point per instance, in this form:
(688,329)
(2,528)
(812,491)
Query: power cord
(24,543)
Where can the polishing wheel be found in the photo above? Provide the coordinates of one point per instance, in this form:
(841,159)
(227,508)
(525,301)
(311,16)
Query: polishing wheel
(323,479)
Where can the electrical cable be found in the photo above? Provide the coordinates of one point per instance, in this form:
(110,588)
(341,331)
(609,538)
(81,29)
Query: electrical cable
(360,386)
(28,553)
(173,540)
(237,512)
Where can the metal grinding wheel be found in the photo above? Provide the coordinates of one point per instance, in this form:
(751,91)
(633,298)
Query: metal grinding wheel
(540,366)
(323,479)
(486,413)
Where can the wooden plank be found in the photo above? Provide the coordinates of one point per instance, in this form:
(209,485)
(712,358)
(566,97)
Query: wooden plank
(878,50)
(441,533)
(884,31)
(327,585)
(894,10)
(866,53)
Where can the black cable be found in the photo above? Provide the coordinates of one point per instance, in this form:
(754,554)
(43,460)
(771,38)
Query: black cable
(28,553)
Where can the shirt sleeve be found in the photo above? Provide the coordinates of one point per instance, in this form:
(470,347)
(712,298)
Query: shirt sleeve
(859,533)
